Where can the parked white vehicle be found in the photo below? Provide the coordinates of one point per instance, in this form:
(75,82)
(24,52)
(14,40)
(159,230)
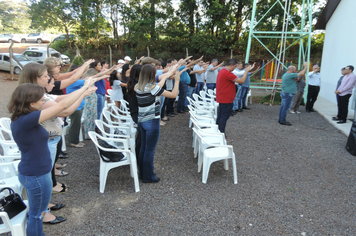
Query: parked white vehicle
(37,38)
(5,62)
(8,38)
(65,59)
(39,55)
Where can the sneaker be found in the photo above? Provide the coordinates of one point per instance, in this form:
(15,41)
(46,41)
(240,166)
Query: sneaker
(298,112)
(293,112)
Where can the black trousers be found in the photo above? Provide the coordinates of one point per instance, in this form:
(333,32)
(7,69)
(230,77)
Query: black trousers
(313,92)
(343,105)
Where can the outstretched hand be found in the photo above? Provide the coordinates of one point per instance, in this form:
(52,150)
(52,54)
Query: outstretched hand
(89,82)
(250,67)
(90,90)
(178,74)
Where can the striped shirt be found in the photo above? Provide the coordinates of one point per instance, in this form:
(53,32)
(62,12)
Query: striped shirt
(149,103)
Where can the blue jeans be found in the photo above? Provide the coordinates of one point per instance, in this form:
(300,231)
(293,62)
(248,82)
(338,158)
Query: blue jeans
(285,106)
(150,131)
(183,88)
(200,86)
(235,105)
(39,191)
(242,98)
(101,103)
(52,146)
(189,94)
(224,112)
(211,86)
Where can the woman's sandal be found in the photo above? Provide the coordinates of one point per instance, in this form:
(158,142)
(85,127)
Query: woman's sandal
(62,173)
(63,155)
(63,190)
(57,207)
(78,145)
(60,166)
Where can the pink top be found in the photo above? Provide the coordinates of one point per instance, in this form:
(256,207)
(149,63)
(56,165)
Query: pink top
(347,84)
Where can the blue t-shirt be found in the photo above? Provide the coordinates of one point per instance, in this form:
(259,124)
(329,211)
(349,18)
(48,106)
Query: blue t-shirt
(101,87)
(75,86)
(289,85)
(184,77)
(32,139)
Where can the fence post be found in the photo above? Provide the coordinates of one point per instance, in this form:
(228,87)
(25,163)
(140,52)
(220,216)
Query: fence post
(186,50)
(110,53)
(11,64)
(48,55)
(231,54)
(148,51)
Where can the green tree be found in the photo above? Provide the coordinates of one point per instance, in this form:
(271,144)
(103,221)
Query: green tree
(59,16)
(14,17)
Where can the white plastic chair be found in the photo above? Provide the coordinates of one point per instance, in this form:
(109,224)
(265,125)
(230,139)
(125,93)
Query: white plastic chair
(121,121)
(249,95)
(9,148)
(105,167)
(212,153)
(8,177)
(16,225)
(5,125)
(103,127)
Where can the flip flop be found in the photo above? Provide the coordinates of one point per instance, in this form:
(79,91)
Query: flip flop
(63,155)
(61,166)
(78,145)
(62,173)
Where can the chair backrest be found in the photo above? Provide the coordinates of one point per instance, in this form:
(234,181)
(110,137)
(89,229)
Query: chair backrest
(4,159)
(6,134)
(108,130)
(124,105)
(109,91)
(5,122)
(7,170)
(120,112)
(9,148)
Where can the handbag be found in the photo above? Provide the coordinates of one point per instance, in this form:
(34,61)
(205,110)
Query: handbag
(11,204)
(109,156)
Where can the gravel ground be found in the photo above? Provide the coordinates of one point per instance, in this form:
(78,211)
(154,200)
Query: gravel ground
(296,180)
(292,180)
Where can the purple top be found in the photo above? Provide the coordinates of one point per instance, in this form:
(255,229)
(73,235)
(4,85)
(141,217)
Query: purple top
(347,84)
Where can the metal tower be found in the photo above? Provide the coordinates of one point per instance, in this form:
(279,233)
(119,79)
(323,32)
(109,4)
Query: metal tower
(297,34)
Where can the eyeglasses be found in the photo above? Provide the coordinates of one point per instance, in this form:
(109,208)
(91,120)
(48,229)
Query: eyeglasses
(59,65)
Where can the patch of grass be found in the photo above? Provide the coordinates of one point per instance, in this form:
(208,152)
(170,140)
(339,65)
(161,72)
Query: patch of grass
(267,99)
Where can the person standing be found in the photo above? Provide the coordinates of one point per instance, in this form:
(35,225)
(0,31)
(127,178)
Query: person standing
(298,96)
(212,73)
(289,87)
(226,92)
(337,96)
(313,88)
(199,75)
(344,93)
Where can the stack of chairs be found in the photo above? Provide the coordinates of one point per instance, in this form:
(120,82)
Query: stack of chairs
(209,144)
(9,161)
(118,130)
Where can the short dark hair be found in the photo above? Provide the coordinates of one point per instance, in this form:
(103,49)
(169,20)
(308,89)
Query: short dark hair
(351,68)
(231,62)
(164,64)
(214,60)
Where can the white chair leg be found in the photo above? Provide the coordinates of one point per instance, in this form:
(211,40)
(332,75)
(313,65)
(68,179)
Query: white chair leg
(135,176)
(102,177)
(200,160)
(206,168)
(234,168)
(226,164)
(81,133)
(64,145)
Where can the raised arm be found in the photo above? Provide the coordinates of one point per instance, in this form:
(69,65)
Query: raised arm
(243,78)
(79,72)
(195,62)
(174,92)
(302,72)
(67,102)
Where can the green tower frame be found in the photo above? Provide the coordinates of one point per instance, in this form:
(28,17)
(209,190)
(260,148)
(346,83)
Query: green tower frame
(295,33)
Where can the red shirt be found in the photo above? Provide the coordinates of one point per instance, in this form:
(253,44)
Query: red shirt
(225,86)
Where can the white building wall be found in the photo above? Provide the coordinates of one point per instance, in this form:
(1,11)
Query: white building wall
(339,48)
